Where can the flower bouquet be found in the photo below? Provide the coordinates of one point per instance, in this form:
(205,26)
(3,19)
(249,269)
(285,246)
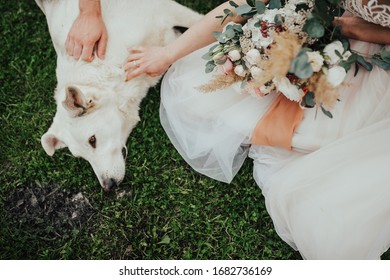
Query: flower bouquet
(293,49)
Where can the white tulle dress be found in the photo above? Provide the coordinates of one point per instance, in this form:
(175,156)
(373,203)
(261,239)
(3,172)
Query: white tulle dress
(329,197)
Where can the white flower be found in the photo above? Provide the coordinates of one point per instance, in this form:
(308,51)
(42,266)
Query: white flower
(291,91)
(234,55)
(239,70)
(265,42)
(330,52)
(267,89)
(253,56)
(316,60)
(256,35)
(256,72)
(269,15)
(336,75)
(346,55)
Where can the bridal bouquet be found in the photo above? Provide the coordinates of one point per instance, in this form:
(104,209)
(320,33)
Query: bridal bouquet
(293,49)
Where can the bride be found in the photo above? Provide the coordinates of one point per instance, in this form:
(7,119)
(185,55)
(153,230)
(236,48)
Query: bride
(329,196)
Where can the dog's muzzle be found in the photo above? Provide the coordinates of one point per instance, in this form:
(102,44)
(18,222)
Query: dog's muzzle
(109,184)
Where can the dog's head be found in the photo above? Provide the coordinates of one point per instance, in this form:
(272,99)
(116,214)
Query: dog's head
(94,123)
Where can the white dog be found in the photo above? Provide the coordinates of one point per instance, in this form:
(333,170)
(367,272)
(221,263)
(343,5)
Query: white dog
(96,108)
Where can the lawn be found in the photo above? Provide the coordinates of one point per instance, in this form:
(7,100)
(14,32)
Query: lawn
(54,208)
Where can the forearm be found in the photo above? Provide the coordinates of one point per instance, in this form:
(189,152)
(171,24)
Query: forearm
(373,33)
(359,29)
(200,34)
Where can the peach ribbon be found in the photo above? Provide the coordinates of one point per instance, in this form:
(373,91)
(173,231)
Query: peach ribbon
(277,126)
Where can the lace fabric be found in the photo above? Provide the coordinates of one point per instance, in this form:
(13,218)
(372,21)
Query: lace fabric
(375,11)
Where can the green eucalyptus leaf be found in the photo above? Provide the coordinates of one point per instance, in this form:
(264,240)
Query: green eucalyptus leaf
(382,60)
(278,19)
(243,83)
(251,2)
(210,66)
(221,61)
(216,34)
(364,63)
(308,100)
(274,4)
(243,9)
(346,65)
(385,54)
(229,33)
(238,28)
(300,65)
(233,4)
(260,7)
(345,43)
(251,13)
(314,28)
(206,56)
(326,112)
(228,12)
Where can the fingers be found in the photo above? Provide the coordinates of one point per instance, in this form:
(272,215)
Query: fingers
(102,46)
(132,65)
(77,49)
(135,57)
(139,49)
(135,73)
(87,53)
(136,53)
(69,45)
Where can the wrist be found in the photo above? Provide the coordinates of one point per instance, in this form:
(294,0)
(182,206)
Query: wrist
(170,56)
(90,7)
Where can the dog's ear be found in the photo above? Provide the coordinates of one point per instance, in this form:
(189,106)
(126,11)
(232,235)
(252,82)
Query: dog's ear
(50,143)
(130,109)
(76,103)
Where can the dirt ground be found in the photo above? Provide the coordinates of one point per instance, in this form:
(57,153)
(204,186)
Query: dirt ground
(48,212)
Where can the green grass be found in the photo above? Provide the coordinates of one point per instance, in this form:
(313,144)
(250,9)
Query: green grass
(168,211)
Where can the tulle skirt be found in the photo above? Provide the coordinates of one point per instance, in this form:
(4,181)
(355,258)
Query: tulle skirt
(329,197)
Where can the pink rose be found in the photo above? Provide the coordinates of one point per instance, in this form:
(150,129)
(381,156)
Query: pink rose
(227,67)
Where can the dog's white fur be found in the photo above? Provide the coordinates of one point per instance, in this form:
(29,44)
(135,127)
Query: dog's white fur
(93,99)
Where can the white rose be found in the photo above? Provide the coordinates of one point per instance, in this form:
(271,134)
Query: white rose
(291,91)
(253,56)
(234,55)
(239,70)
(256,72)
(336,75)
(330,52)
(316,60)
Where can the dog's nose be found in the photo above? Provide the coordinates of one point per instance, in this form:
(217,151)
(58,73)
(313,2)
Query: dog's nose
(109,184)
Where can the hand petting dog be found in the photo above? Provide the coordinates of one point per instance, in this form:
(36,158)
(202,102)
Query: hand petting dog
(88,33)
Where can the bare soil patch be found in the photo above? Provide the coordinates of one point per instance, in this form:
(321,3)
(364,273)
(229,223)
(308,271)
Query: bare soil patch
(48,212)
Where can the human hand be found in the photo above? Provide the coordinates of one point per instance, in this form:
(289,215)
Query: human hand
(87,33)
(153,61)
(357,28)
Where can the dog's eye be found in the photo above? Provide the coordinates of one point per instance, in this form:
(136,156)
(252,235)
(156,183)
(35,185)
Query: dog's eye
(92,141)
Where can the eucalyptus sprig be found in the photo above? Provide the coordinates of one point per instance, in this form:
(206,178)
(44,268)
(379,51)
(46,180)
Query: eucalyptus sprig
(249,9)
